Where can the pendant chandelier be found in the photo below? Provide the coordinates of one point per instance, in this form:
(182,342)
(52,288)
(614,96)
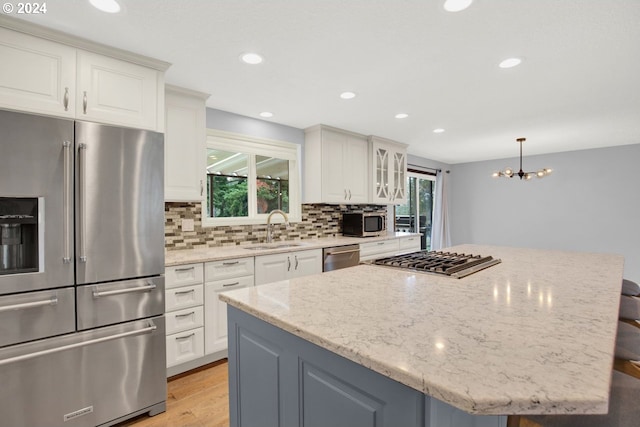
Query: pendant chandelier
(508,172)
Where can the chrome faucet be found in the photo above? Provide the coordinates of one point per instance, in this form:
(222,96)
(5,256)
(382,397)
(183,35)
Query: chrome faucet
(270,226)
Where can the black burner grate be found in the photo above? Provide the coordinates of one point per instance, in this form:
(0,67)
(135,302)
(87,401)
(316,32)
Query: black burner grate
(446,263)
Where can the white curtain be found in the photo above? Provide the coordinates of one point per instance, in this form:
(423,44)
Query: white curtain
(440,237)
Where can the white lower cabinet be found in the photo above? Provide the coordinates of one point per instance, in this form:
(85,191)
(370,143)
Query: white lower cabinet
(272,268)
(408,244)
(185,346)
(379,249)
(184,313)
(222,276)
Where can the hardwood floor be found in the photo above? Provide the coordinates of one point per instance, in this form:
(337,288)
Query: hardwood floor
(199,398)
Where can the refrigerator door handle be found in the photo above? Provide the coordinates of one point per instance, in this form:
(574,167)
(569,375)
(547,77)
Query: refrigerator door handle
(146,288)
(66,202)
(82,160)
(50,301)
(152,327)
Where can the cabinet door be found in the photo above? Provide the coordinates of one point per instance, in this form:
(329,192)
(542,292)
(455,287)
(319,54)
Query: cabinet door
(399,177)
(117,92)
(36,75)
(356,169)
(334,185)
(306,263)
(272,268)
(185,135)
(215,320)
(381,163)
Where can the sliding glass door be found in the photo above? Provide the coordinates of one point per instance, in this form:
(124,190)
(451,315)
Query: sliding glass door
(416,215)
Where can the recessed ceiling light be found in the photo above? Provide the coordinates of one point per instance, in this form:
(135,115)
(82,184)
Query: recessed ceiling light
(347,95)
(109,6)
(402,116)
(266,114)
(510,62)
(251,58)
(439,130)
(456,5)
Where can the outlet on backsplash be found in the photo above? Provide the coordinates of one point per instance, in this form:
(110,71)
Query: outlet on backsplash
(183,226)
(187,224)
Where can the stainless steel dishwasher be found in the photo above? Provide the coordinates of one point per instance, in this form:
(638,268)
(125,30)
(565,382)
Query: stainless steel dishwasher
(340,257)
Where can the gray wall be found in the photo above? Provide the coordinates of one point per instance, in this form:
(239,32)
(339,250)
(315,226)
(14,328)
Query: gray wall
(591,203)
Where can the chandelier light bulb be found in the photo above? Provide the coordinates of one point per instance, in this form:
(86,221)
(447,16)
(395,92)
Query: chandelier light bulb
(508,172)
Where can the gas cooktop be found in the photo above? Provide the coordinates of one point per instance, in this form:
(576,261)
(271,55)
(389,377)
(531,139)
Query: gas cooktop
(442,263)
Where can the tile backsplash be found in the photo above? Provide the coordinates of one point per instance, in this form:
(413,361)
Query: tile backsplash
(318,220)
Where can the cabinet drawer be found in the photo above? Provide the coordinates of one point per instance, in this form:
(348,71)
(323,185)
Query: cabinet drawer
(185,346)
(186,296)
(233,283)
(181,275)
(380,248)
(409,244)
(182,320)
(237,267)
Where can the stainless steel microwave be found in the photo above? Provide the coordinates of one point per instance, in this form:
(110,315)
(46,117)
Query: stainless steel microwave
(364,224)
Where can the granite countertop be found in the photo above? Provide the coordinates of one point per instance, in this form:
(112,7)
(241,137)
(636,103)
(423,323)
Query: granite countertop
(532,335)
(188,256)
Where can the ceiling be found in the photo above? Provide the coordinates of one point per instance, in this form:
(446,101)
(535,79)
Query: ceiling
(578,86)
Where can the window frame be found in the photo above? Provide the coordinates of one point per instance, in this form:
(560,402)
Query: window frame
(252,146)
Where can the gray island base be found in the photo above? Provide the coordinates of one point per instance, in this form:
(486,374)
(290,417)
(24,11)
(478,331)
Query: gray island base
(279,379)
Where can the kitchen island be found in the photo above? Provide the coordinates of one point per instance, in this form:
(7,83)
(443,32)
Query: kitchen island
(372,345)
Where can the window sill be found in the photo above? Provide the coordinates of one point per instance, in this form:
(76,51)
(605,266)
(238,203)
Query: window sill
(218,222)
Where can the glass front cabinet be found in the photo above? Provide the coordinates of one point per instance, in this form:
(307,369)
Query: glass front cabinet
(389,170)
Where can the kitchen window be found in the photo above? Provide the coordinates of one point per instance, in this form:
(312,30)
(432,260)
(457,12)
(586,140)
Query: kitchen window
(248,177)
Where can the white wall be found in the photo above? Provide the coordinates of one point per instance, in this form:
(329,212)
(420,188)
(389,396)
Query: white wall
(590,203)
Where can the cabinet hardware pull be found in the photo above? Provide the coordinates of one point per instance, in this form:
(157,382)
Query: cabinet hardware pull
(380,243)
(342,252)
(296,258)
(185,337)
(185,315)
(84,102)
(349,194)
(65,99)
(185,268)
(28,356)
(230,284)
(66,202)
(288,264)
(201,188)
(231,263)
(345,194)
(147,288)
(190,291)
(51,301)
(82,158)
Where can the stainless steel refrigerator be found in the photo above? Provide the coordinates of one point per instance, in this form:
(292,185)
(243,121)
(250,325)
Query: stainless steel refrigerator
(82,336)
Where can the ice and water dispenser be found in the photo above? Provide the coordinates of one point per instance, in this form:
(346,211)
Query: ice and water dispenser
(18,235)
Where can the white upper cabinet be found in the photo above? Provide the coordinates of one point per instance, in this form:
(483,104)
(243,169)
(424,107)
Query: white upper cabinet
(47,72)
(118,92)
(36,75)
(336,166)
(185,145)
(389,171)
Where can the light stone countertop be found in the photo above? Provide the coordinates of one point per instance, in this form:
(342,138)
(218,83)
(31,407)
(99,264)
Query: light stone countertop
(532,335)
(189,256)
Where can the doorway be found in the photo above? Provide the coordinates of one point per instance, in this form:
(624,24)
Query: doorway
(416,214)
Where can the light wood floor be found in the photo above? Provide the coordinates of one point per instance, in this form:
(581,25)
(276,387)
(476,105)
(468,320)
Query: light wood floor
(199,398)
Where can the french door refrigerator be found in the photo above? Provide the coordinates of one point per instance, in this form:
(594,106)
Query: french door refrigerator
(81,272)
